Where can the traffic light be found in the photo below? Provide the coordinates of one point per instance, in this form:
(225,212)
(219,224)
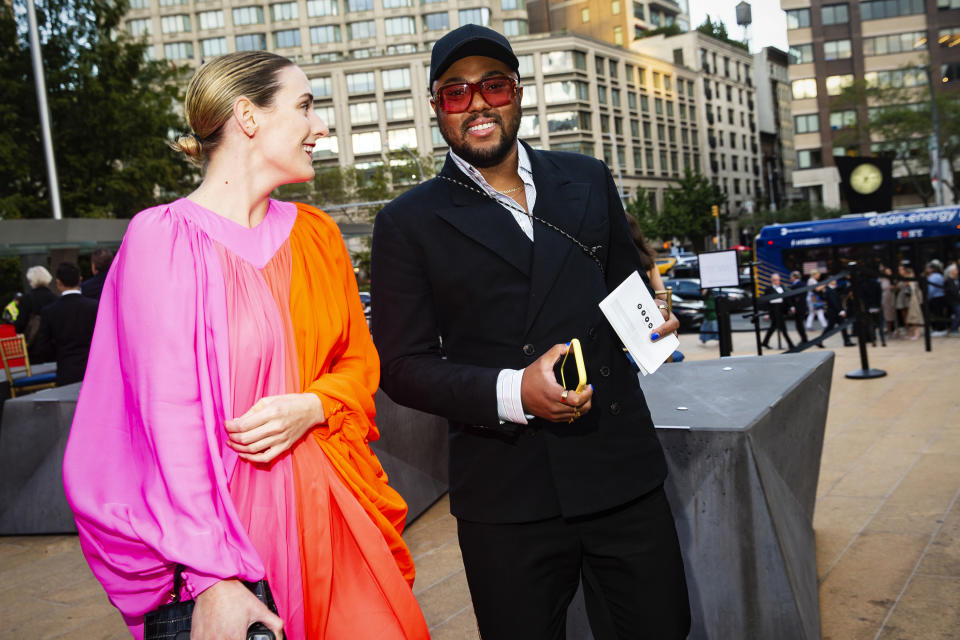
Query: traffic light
(715,210)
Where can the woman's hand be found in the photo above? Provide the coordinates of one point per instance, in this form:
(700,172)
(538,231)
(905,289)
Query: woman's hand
(671,325)
(273,425)
(226,610)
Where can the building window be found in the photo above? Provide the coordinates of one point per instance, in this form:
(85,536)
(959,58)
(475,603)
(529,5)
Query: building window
(140,27)
(615,97)
(602,94)
(284,11)
(801,54)
(361,82)
(436,137)
(618,35)
(512,5)
(325,34)
(658,106)
(402,26)
(529,96)
(394,79)
(286,38)
(398,109)
(327,115)
(359,5)
(362,30)
(210,20)
(363,113)
(895,43)
(526,65)
(835,14)
(798,18)
(560,61)
(326,147)
(836,49)
(213,47)
(565,91)
(475,16)
(402,138)
(945,5)
(175,24)
(896,78)
(843,119)
(644,104)
(320,8)
(252,42)
(367,142)
(321,87)
(139,4)
(172,3)
(632,100)
(397,4)
(806,88)
(247,15)
(879,9)
(615,7)
(808,158)
(529,126)
(178,51)
(568,121)
(436,22)
(515,28)
(635,128)
(585,15)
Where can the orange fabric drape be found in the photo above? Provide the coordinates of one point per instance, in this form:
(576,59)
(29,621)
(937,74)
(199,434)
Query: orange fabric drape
(338,362)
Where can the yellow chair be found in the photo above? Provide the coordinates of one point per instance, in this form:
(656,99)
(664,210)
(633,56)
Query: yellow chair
(13,351)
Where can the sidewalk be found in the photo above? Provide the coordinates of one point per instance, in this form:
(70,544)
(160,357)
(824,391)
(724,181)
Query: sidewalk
(887,521)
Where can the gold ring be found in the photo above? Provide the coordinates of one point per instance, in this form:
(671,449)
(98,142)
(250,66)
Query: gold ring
(576,413)
(563,396)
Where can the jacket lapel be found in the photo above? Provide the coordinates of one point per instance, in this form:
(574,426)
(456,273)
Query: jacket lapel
(484,220)
(562,203)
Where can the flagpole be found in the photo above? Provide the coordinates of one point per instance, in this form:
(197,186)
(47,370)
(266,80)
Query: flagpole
(41,86)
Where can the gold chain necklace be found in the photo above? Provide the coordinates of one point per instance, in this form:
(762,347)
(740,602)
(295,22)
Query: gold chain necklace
(509,191)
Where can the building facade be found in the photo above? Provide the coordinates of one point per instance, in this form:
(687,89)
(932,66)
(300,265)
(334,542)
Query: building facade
(888,43)
(616,21)
(775,122)
(727,123)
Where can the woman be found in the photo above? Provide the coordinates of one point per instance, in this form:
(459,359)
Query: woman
(230,388)
(815,302)
(888,300)
(910,300)
(28,319)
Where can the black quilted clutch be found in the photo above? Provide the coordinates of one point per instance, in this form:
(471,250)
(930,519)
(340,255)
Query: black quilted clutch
(172,621)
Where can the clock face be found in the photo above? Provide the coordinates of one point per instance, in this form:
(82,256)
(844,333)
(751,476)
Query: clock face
(866,178)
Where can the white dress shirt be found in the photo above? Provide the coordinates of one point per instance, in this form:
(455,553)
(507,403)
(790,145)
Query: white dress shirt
(509,404)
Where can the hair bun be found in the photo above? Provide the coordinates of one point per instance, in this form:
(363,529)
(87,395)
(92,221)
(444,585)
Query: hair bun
(189,144)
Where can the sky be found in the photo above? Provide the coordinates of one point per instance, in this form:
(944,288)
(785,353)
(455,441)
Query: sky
(769,26)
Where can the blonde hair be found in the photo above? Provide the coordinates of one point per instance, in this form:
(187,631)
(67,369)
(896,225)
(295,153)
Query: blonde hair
(38,277)
(214,89)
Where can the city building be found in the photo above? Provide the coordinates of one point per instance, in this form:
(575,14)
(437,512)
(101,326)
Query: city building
(775,122)
(616,21)
(727,122)
(888,43)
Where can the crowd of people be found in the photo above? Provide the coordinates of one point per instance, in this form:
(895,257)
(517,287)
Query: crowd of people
(58,325)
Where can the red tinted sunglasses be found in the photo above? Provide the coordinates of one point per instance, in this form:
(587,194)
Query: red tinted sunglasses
(456,98)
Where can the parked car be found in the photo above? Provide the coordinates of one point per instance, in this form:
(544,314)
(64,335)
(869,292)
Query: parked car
(689,312)
(690,288)
(665,264)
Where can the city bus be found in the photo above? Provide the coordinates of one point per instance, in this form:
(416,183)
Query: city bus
(913,236)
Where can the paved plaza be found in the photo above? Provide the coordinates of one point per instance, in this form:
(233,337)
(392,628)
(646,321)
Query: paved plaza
(887,522)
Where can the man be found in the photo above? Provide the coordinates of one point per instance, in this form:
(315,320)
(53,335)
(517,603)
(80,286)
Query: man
(99,263)
(66,326)
(775,307)
(480,277)
(799,307)
(833,298)
(939,311)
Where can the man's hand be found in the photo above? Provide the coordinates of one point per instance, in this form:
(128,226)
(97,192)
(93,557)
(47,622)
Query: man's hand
(226,610)
(544,397)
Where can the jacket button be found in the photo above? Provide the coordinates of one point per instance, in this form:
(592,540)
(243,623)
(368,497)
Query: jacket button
(605,371)
(614,408)
(528,349)
(592,333)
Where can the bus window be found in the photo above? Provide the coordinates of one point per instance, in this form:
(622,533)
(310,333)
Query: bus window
(868,257)
(905,254)
(930,250)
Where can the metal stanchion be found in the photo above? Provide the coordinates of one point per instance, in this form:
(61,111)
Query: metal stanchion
(756,310)
(864,372)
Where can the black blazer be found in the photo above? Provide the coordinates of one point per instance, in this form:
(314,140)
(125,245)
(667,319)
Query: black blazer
(799,301)
(459,293)
(66,328)
(93,286)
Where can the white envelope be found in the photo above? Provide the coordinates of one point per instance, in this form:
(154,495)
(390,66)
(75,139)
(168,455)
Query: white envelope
(633,314)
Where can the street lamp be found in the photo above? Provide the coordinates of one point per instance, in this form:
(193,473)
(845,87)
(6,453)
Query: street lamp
(417,160)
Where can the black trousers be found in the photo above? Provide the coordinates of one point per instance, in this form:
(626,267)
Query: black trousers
(523,576)
(777,323)
(799,318)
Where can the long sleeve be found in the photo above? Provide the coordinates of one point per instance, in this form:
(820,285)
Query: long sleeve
(145,468)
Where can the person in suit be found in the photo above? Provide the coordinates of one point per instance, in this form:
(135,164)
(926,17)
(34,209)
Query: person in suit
(799,305)
(99,263)
(66,327)
(480,277)
(775,307)
(833,298)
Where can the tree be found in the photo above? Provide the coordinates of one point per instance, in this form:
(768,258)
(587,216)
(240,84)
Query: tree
(111,113)
(899,120)
(686,210)
(718,30)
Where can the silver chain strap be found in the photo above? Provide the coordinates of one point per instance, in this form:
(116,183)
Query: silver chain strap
(592,252)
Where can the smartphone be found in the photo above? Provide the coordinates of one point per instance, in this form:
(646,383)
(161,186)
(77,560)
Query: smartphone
(259,631)
(571,372)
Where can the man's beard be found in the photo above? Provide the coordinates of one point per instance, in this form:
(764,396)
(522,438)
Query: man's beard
(485,158)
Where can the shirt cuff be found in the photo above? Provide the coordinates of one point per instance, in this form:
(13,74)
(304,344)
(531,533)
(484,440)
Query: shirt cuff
(509,403)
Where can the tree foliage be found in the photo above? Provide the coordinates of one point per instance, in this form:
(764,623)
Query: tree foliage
(900,121)
(718,30)
(111,113)
(686,210)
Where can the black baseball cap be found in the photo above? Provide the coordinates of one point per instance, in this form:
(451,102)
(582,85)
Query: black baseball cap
(470,40)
